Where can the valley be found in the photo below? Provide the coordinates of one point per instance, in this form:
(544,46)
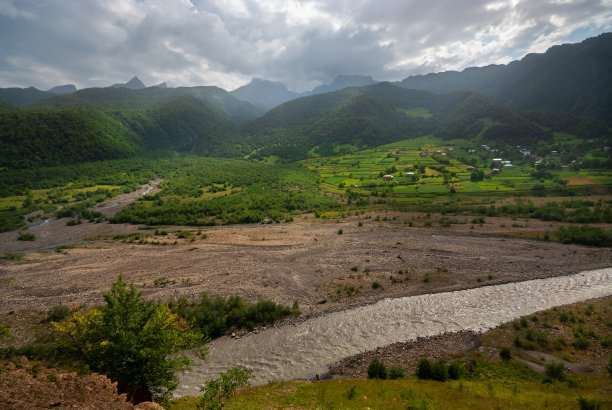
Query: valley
(357,217)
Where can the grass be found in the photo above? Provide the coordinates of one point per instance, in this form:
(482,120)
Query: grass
(413,393)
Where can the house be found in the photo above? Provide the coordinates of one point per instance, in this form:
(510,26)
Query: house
(422,154)
(496,170)
(387,177)
(409,174)
(488,175)
(471,151)
(508,166)
(469,168)
(565,168)
(394,183)
(497,160)
(354,186)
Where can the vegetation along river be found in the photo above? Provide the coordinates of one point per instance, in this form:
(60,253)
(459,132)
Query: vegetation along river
(308,348)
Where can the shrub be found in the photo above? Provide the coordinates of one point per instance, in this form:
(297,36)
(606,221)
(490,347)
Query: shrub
(215,317)
(606,341)
(505,353)
(23,236)
(439,371)
(5,331)
(580,342)
(217,391)
(424,371)
(340,231)
(396,372)
(375,285)
(554,370)
(377,370)
(585,235)
(57,313)
(455,371)
(609,366)
(588,404)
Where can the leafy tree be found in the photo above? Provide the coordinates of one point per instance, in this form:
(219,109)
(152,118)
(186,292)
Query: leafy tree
(134,342)
(477,175)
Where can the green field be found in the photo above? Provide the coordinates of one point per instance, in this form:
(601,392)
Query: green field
(428,165)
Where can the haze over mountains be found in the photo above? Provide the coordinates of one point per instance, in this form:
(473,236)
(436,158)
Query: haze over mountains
(522,102)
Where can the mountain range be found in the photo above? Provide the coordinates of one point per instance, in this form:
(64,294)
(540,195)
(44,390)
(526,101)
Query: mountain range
(567,89)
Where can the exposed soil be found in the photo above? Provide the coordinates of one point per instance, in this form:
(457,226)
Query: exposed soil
(54,232)
(34,385)
(305,260)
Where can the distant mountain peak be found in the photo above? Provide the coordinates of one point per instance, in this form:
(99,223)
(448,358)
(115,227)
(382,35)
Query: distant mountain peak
(343,81)
(133,84)
(161,85)
(265,94)
(63,89)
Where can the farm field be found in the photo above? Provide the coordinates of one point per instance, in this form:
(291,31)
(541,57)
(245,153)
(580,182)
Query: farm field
(428,166)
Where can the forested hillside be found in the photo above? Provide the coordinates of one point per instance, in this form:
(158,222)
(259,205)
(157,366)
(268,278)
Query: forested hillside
(569,78)
(34,137)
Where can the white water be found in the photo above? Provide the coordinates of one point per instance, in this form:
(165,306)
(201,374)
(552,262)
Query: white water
(301,351)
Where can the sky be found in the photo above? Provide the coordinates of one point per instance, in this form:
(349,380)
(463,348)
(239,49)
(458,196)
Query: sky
(226,43)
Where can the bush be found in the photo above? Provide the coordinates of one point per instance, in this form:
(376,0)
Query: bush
(455,371)
(585,235)
(57,313)
(580,342)
(396,372)
(26,237)
(505,354)
(588,404)
(554,370)
(375,285)
(377,370)
(439,371)
(215,317)
(217,391)
(424,371)
(133,342)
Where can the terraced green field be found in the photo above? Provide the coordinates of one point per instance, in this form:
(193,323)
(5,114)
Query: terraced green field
(428,165)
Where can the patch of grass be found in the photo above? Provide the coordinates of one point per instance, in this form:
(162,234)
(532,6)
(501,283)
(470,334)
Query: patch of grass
(24,236)
(11,256)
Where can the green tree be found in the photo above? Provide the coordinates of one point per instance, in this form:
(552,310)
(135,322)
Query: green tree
(134,342)
(477,175)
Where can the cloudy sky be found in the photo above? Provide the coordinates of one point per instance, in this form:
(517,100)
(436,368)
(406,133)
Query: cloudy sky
(301,43)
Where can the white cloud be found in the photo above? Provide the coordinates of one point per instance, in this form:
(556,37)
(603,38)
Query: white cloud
(299,42)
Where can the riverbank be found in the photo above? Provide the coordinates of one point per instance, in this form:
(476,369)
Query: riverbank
(306,260)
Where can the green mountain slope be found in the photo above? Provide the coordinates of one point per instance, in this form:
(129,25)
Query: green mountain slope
(383,113)
(479,116)
(30,138)
(22,96)
(33,137)
(124,98)
(571,78)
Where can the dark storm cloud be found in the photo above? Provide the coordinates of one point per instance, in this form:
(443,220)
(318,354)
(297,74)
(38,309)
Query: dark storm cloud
(301,43)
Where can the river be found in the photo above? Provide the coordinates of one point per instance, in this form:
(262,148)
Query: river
(308,348)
